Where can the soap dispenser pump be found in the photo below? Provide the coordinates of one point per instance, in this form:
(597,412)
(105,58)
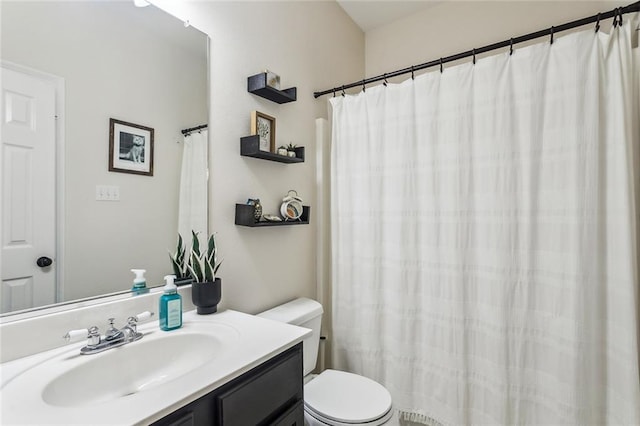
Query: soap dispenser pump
(170,306)
(139,282)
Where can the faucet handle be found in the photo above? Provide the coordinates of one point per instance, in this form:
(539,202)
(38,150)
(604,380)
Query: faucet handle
(132,325)
(143,316)
(94,336)
(133,321)
(92,333)
(75,335)
(112,333)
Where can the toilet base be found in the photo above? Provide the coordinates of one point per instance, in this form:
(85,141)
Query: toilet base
(310,420)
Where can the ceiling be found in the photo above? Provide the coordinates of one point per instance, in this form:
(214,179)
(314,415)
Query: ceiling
(369,14)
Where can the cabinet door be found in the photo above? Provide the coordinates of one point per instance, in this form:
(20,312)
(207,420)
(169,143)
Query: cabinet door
(197,413)
(264,396)
(293,417)
(182,419)
(269,394)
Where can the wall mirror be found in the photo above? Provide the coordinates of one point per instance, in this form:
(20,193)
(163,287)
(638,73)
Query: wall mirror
(101,61)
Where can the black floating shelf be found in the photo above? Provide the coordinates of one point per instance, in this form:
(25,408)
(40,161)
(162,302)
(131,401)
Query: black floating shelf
(250,147)
(257,84)
(244,217)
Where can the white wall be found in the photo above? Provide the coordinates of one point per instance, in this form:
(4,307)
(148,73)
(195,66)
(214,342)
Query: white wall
(448,28)
(311,45)
(110,73)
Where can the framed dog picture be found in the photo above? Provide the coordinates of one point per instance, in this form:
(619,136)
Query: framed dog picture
(264,126)
(130,148)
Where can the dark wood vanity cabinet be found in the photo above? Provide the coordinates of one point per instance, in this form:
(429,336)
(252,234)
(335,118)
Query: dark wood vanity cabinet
(269,394)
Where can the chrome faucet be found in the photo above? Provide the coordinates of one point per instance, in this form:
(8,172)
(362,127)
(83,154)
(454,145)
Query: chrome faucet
(112,337)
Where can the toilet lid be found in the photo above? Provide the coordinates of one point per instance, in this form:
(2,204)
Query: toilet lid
(346,397)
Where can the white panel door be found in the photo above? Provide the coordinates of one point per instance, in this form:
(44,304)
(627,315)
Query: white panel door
(28,191)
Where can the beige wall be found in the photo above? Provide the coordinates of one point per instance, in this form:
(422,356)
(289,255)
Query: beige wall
(115,64)
(448,28)
(311,45)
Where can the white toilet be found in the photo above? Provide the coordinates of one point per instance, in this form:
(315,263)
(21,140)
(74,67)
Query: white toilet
(335,398)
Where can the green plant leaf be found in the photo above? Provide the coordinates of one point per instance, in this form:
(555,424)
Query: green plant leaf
(196,267)
(195,243)
(208,272)
(192,273)
(180,247)
(177,266)
(212,245)
(180,250)
(215,270)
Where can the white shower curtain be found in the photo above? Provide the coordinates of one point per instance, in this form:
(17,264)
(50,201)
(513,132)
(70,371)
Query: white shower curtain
(192,213)
(484,236)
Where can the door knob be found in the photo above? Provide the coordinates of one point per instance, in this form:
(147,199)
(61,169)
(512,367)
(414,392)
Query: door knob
(44,261)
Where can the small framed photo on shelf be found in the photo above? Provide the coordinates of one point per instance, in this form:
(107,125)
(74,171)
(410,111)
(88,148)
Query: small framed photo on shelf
(130,148)
(264,126)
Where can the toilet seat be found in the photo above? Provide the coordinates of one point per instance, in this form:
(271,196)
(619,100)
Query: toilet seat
(341,398)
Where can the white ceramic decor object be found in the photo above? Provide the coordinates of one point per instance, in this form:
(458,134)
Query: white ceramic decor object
(291,207)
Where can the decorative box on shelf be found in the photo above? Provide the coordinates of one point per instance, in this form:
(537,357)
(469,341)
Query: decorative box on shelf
(244,217)
(257,84)
(250,147)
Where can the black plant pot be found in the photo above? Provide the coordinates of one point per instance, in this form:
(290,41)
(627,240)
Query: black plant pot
(206,296)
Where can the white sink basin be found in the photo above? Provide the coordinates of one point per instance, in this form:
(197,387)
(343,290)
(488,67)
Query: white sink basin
(143,381)
(132,368)
(70,379)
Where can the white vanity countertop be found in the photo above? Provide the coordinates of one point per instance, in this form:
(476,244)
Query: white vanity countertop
(255,340)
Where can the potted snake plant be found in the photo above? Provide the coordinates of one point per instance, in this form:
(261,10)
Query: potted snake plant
(206,288)
(199,270)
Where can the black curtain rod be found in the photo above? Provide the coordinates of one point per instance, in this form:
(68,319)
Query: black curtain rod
(193,129)
(617,13)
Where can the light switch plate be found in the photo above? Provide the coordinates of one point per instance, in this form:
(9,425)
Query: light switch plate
(107,193)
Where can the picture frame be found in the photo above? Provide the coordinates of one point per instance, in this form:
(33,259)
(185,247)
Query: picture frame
(130,148)
(264,126)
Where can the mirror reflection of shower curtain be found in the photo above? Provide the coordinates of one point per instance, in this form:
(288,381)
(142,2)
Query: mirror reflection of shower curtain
(192,211)
(484,248)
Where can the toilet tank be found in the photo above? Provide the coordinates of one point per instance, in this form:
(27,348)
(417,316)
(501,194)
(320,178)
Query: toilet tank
(306,313)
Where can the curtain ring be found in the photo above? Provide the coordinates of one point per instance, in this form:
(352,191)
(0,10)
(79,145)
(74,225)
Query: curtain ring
(364,88)
(385,82)
(511,47)
(615,18)
(474,56)
(619,16)
(334,92)
(343,91)
(598,23)
(551,32)
(441,67)
(413,77)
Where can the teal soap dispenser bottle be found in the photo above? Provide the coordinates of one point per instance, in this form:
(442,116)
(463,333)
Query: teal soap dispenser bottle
(170,306)
(139,282)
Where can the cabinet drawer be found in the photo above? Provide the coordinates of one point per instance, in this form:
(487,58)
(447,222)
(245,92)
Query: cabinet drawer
(293,417)
(264,395)
(185,419)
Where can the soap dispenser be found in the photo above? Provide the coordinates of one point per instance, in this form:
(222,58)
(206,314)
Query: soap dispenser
(139,282)
(170,306)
